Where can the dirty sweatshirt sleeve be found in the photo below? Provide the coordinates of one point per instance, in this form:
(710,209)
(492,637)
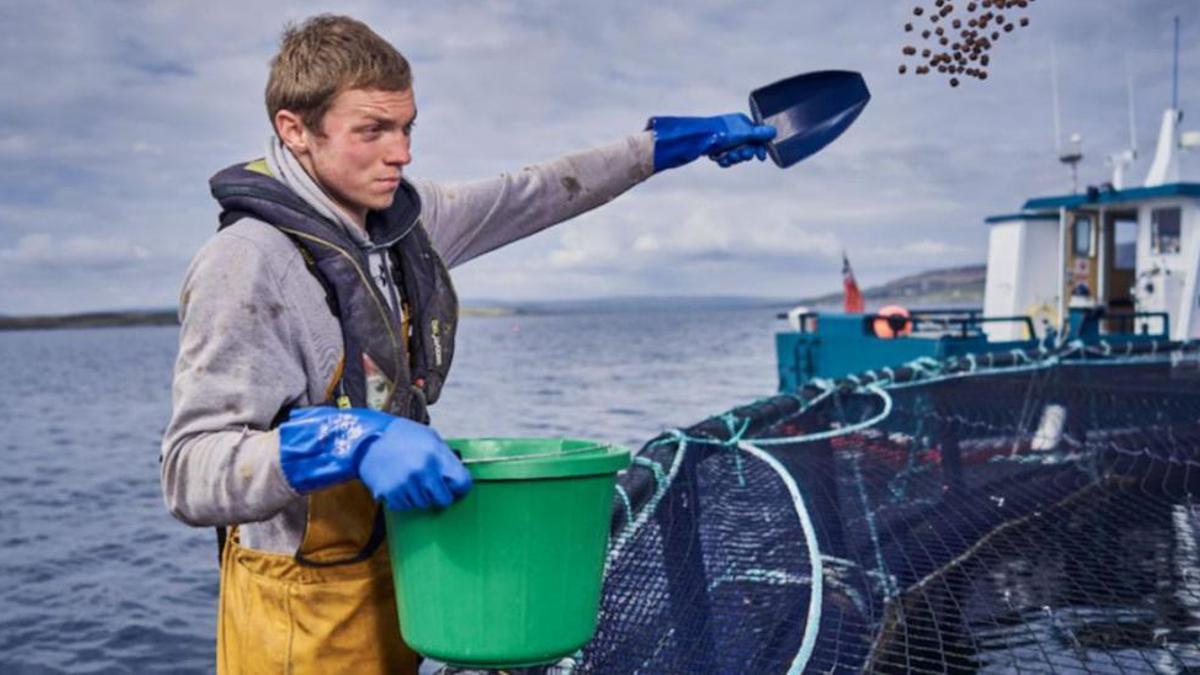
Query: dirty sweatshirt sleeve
(238,365)
(466,220)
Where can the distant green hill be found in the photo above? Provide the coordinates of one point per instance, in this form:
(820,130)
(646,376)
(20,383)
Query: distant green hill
(962,286)
(156,317)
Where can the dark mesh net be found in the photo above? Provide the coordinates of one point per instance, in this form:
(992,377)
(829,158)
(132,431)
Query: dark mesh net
(1038,512)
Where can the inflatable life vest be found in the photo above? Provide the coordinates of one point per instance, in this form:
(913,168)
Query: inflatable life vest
(415,369)
(335,596)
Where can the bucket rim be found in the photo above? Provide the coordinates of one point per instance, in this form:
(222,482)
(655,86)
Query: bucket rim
(524,458)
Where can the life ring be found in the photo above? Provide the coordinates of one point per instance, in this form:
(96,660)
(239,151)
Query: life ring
(1042,314)
(891,322)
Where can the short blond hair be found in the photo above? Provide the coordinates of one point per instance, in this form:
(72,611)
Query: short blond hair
(324,56)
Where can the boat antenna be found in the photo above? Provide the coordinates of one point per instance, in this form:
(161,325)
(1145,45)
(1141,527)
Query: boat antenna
(1054,93)
(1188,140)
(1175,70)
(1072,156)
(1165,167)
(1132,109)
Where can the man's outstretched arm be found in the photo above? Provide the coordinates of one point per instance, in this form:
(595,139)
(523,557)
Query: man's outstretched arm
(466,220)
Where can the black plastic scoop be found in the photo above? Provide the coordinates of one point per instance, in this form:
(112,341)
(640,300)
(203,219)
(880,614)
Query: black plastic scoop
(808,111)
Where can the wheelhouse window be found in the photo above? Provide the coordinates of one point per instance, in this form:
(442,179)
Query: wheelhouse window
(1082,236)
(1125,243)
(1164,230)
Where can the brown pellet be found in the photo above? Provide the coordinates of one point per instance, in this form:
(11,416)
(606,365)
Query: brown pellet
(954,82)
(925,34)
(933,18)
(983,74)
(971,6)
(909,50)
(983,60)
(996,35)
(957,24)
(925,53)
(1024,21)
(908,28)
(903,68)
(944,41)
(940,31)
(918,11)
(921,70)
(1008,27)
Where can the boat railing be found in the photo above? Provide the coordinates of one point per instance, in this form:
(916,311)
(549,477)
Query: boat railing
(964,323)
(1098,320)
(960,322)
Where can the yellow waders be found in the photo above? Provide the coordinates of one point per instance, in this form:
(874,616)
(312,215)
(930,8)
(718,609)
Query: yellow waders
(279,616)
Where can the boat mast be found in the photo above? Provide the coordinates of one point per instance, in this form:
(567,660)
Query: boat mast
(1165,168)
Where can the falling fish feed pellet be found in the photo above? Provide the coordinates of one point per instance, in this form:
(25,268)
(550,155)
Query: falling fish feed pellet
(969,42)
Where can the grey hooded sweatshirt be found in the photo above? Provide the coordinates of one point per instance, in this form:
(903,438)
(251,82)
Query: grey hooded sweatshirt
(256,333)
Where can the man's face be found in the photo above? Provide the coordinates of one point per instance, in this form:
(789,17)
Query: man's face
(363,149)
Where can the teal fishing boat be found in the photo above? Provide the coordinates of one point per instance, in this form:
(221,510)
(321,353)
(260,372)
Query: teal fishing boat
(1113,264)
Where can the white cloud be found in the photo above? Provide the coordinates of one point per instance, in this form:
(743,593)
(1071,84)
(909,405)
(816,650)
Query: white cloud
(44,250)
(927,252)
(646,243)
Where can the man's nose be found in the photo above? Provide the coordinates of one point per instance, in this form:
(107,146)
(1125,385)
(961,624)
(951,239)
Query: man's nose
(400,150)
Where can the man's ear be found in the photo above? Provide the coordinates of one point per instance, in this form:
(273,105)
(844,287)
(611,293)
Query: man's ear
(292,132)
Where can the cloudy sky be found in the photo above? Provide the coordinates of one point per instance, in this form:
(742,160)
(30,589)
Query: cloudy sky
(114,114)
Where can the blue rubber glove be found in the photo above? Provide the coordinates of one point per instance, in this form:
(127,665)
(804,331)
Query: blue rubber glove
(402,462)
(726,139)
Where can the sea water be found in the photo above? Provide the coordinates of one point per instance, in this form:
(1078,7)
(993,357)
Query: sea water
(95,575)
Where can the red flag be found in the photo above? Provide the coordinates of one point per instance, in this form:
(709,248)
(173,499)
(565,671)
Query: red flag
(853,302)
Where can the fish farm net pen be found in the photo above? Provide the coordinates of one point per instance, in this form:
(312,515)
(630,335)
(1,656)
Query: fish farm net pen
(1021,511)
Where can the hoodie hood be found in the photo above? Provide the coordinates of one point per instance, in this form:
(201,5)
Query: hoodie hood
(383,228)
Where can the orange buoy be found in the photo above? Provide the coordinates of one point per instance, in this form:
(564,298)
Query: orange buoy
(892,321)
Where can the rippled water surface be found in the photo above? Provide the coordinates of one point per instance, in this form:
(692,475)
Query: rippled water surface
(95,576)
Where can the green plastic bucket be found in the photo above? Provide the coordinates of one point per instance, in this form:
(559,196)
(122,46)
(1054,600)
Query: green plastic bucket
(510,575)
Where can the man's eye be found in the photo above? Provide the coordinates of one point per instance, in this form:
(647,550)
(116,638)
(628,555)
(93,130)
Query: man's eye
(408,128)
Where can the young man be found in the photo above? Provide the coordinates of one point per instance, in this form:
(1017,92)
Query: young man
(318,325)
